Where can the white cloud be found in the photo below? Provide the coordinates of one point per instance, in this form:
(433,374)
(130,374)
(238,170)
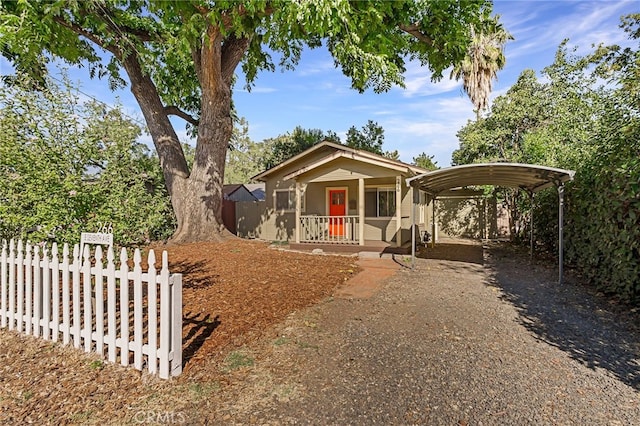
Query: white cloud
(418,81)
(538,25)
(429,127)
(258,89)
(315,68)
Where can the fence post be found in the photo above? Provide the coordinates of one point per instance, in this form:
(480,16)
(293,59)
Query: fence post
(137,309)
(99,298)
(3,284)
(152,314)
(112,297)
(86,289)
(165,318)
(77,320)
(28,267)
(55,288)
(37,292)
(20,287)
(176,323)
(66,322)
(12,284)
(46,295)
(124,308)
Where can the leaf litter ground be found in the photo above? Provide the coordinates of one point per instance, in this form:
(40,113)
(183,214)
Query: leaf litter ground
(234,294)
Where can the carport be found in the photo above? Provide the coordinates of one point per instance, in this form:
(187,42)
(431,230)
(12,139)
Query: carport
(528,177)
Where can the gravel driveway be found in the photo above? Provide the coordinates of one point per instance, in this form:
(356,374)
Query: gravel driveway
(487,338)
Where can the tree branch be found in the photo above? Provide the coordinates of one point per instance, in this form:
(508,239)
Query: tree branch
(414,30)
(110,18)
(88,34)
(174,110)
(196,55)
(233,50)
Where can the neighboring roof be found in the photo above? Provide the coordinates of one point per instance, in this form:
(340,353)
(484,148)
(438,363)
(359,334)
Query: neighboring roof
(229,189)
(257,189)
(334,151)
(529,177)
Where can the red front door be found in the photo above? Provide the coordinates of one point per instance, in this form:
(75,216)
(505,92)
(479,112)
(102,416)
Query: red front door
(337,207)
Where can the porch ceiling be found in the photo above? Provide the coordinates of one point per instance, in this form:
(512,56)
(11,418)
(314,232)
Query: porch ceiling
(529,177)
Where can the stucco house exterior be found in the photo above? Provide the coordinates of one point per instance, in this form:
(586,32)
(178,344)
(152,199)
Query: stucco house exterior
(333,194)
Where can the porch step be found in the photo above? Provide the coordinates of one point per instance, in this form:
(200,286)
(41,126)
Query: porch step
(378,247)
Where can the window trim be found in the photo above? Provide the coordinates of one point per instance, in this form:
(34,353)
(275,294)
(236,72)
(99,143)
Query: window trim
(386,188)
(303,204)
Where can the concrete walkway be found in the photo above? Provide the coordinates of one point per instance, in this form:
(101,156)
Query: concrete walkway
(369,281)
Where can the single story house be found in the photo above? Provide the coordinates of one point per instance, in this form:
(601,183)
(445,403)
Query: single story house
(334,194)
(343,199)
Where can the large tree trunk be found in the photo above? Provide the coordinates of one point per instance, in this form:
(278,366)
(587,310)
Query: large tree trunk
(199,201)
(196,197)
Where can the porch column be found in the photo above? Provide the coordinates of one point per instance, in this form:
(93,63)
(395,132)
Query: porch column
(398,211)
(361,211)
(298,209)
(415,197)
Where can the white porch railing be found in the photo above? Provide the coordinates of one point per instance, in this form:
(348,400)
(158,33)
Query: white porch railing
(329,229)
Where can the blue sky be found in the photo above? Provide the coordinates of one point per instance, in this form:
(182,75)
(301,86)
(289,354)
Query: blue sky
(424,116)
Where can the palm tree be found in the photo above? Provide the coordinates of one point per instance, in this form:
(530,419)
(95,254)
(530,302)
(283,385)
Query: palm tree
(485,56)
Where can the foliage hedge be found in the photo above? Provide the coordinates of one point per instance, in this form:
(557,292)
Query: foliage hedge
(602,212)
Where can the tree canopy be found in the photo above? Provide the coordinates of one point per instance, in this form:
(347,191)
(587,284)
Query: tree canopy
(425,161)
(370,138)
(288,145)
(180,58)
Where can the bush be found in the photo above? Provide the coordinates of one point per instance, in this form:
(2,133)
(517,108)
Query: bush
(68,167)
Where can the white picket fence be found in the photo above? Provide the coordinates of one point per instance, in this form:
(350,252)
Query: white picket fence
(101,308)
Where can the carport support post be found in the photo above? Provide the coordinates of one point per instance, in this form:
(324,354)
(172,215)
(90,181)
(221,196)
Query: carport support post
(560,232)
(531,195)
(433,222)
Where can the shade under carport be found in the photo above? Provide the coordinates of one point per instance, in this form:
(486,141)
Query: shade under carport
(529,177)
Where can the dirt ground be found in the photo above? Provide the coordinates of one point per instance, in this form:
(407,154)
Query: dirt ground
(474,335)
(233,294)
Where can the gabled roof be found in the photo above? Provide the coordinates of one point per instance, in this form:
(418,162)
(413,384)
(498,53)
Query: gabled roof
(229,189)
(529,177)
(335,151)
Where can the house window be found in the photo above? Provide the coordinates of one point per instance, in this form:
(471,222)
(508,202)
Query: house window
(285,199)
(380,202)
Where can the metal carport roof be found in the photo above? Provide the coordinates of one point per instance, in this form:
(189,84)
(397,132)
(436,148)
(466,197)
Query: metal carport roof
(529,177)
